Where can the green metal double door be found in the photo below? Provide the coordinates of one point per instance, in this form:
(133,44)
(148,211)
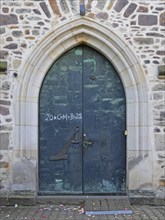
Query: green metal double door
(82,113)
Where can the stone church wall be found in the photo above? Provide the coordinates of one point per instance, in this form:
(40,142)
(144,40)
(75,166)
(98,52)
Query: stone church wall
(23,25)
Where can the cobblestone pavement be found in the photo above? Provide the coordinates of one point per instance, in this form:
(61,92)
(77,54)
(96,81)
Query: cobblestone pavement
(61,212)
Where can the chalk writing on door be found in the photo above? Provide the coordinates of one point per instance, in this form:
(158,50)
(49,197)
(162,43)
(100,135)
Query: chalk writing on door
(60,117)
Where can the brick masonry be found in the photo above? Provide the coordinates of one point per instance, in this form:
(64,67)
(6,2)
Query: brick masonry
(24,23)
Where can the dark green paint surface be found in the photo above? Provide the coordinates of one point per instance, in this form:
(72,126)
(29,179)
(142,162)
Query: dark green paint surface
(82,123)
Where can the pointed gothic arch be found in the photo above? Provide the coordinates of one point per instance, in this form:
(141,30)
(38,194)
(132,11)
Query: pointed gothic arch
(52,46)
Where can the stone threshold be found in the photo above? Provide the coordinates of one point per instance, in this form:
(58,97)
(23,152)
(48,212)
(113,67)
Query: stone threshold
(30,200)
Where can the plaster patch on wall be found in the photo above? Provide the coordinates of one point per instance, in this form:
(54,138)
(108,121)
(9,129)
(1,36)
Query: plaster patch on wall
(140,176)
(23,176)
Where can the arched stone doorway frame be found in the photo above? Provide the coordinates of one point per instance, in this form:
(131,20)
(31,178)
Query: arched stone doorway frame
(52,46)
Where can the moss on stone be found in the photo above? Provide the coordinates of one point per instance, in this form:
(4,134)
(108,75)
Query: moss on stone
(3,67)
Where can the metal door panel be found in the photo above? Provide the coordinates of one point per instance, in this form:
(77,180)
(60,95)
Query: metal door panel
(103,125)
(60,167)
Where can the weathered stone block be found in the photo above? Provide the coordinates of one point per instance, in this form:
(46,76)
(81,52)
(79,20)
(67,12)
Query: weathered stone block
(30,37)
(157,96)
(89,5)
(101,4)
(17,33)
(161,72)
(11,46)
(21,17)
(3,67)
(159,105)
(9,39)
(4,140)
(162,182)
(4,110)
(162,115)
(155,34)
(3,54)
(163,42)
(2,30)
(159,123)
(24,45)
(130,10)
(16,63)
(162,19)
(91,15)
(4,165)
(159,117)
(64,6)
(17,52)
(5,128)
(115,25)
(5,86)
(15,3)
(147,20)
(147,61)
(8,119)
(35,32)
(23,10)
(102,16)
(157,130)
(159,142)
(120,5)
(159,87)
(155,62)
(4,102)
(28,3)
(36,11)
(142,40)
(73,4)
(5,10)
(24,199)
(27,31)
(8,19)
(45,9)
(54,7)
(161,52)
(41,23)
(34,18)
(142,9)
(159,8)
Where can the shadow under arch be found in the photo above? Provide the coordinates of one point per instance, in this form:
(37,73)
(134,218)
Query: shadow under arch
(49,49)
